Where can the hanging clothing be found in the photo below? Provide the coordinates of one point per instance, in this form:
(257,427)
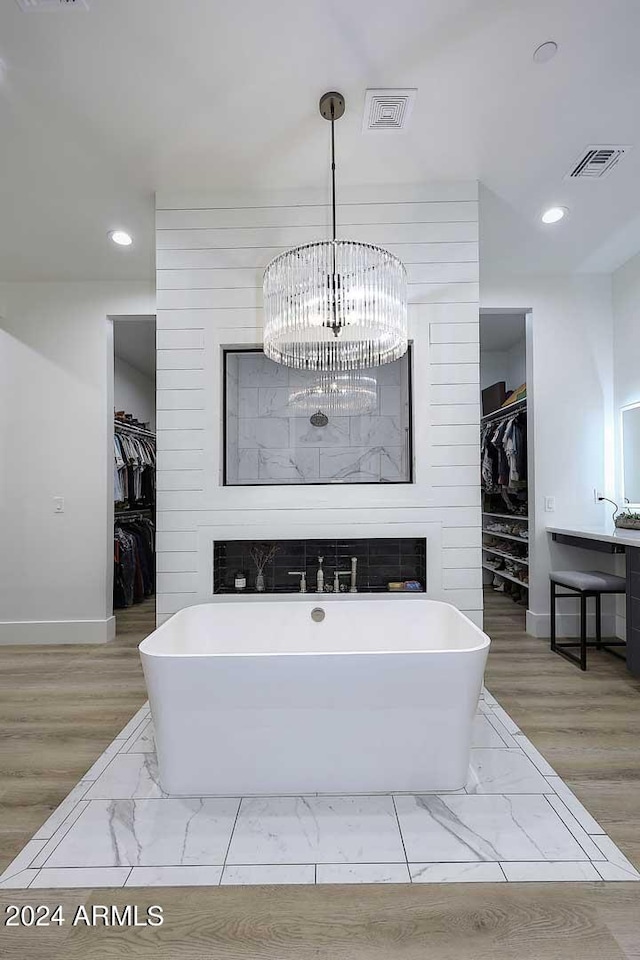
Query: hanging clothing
(119,472)
(134,468)
(134,561)
(504,454)
(134,462)
(514,441)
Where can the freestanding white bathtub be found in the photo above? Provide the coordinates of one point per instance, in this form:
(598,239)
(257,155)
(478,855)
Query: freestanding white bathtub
(261,697)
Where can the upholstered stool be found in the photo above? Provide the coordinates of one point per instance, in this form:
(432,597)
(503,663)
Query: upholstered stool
(584,584)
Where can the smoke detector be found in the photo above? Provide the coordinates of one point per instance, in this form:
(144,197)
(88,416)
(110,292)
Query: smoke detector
(49,6)
(596,162)
(387,110)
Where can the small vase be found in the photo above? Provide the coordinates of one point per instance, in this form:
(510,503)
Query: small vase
(260,582)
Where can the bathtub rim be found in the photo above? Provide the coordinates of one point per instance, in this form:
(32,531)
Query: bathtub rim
(483,638)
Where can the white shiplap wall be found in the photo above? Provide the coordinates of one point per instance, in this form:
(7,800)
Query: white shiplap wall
(211,253)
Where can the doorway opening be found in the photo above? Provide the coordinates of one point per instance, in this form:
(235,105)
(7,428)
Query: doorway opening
(134,476)
(506,466)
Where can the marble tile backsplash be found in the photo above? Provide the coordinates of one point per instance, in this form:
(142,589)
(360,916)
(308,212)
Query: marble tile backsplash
(269,440)
(379,562)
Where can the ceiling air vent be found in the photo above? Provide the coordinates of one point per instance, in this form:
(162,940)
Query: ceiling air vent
(596,162)
(47,6)
(387,110)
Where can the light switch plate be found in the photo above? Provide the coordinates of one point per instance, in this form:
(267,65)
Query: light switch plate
(549,504)
(58,504)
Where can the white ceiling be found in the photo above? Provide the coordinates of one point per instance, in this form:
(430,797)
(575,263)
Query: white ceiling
(500,331)
(134,341)
(100,109)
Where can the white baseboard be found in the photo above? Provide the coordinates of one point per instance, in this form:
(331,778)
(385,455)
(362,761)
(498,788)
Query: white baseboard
(532,625)
(568,624)
(57,631)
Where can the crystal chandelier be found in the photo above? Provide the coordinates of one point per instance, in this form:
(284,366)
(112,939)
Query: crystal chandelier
(338,394)
(335,304)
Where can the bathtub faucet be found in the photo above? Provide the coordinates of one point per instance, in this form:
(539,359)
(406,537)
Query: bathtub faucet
(346,573)
(336,579)
(303,579)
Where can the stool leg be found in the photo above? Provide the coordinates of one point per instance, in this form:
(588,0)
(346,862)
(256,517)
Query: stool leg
(583,631)
(598,621)
(553,615)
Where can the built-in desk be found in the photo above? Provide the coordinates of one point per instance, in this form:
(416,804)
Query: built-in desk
(610,539)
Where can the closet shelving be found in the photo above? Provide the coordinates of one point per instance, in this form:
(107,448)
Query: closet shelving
(506,536)
(497,544)
(505,575)
(133,428)
(508,556)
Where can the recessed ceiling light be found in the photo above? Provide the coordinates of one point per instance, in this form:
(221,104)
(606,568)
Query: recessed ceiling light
(545,52)
(121,237)
(553,214)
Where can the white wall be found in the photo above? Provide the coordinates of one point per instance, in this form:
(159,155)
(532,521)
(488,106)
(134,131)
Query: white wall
(56,403)
(134,392)
(211,253)
(493,367)
(626,346)
(626,361)
(570,385)
(508,365)
(517,365)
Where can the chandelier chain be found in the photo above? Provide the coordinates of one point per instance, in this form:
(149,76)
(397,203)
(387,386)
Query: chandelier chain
(333,169)
(335,325)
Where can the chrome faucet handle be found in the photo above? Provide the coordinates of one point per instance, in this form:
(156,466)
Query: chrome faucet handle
(341,573)
(303,578)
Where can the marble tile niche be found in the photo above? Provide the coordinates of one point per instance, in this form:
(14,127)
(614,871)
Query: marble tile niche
(271,441)
(379,562)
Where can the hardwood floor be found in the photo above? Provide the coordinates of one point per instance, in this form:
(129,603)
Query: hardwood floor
(61,706)
(587,725)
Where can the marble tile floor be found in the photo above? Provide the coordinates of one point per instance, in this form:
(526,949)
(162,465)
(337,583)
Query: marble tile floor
(515,820)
